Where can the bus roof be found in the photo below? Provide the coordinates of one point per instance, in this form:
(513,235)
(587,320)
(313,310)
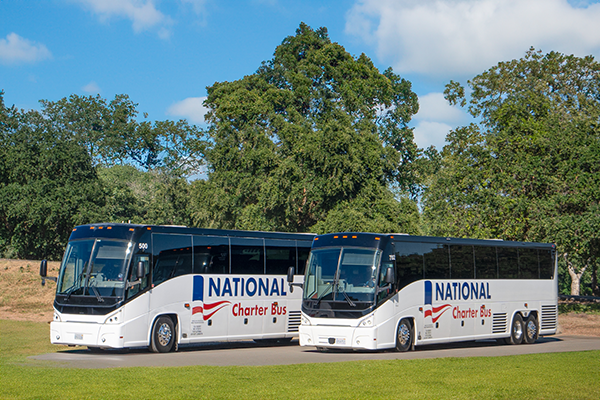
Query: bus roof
(374,239)
(127,231)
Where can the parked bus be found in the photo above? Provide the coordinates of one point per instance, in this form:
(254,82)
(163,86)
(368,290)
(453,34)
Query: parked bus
(380,291)
(124,285)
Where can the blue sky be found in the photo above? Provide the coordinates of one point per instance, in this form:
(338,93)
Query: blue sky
(163,54)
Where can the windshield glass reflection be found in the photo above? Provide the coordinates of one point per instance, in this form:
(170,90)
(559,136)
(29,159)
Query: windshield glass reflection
(342,274)
(94,268)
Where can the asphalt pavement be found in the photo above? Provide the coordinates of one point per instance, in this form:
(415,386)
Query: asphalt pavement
(250,353)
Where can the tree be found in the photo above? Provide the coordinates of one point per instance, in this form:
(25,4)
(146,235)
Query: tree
(47,186)
(530,169)
(315,135)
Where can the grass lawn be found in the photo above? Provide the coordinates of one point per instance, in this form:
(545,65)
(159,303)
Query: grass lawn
(541,376)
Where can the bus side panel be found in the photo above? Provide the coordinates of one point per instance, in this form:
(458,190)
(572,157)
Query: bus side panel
(170,297)
(135,313)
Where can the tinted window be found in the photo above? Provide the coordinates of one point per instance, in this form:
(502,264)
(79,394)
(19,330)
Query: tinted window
(485,262)
(546,258)
(508,263)
(281,255)
(247,256)
(303,251)
(172,256)
(528,264)
(437,265)
(211,255)
(461,262)
(409,262)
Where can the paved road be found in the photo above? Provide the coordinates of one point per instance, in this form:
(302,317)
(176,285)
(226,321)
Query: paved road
(250,353)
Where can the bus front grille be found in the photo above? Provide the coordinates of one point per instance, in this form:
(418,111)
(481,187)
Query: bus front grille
(499,323)
(549,317)
(294,321)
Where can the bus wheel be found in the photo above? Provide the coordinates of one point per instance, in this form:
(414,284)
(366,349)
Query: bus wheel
(404,338)
(163,335)
(531,329)
(516,331)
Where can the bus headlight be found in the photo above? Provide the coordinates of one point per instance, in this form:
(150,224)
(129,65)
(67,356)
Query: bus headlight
(114,318)
(367,322)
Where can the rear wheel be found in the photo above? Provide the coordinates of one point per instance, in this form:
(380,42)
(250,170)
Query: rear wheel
(404,337)
(531,331)
(163,335)
(516,331)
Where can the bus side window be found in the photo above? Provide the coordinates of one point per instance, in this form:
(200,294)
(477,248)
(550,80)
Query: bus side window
(172,256)
(409,261)
(546,258)
(486,265)
(437,262)
(247,256)
(145,260)
(528,264)
(281,255)
(211,255)
(508,262)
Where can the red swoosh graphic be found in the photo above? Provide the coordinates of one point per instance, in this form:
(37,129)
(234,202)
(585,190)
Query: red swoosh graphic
(429,313)
(219,305)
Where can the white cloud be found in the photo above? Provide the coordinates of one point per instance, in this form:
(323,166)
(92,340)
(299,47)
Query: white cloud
(429,133)
(435,119)
(191,109)
(17,50)
(465,37)
(91,88)
(143,14)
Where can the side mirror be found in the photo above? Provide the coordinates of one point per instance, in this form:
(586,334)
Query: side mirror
(44,272)
(290,279)
(43,268)
(140,270)
(390,276)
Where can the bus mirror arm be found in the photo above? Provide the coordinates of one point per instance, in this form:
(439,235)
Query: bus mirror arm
(390,278)
(44,272)
(290,279)
(139,272)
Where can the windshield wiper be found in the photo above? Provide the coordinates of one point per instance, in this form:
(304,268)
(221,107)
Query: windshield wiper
(70,291)
(340,288)
(98,297)
(323,294)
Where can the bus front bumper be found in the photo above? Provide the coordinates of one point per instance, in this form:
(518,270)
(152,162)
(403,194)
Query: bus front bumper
(87,334)
(338,337)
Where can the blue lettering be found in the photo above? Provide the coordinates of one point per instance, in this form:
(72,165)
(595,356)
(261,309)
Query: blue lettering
(448,293)
(216,287)
(235,281)
(474,291)
(455,285)
(242,285)
(226,288)
(465,286)
(283,292)
(263,286)
(482,291)
(439,291)
(251,282)
(487,284)
(274,288)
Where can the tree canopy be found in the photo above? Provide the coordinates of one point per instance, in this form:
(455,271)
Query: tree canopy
(311,140)
(530,170)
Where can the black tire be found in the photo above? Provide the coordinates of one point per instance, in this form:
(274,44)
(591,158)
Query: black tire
(404,336)
(516,330)
(163,335)
(531,329)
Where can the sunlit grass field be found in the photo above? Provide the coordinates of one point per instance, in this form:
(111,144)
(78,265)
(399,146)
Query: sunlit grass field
(540,376)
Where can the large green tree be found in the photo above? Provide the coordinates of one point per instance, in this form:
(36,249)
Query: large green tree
(530,168)
(312,141)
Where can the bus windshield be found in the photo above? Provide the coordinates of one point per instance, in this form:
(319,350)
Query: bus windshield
(342,274)
(94,267)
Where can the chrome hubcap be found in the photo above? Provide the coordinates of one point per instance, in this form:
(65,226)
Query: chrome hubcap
(164,334)
(518,331)
(531,329)
(403,335)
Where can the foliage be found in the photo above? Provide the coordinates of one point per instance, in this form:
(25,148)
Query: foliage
(310,138)
(530,170)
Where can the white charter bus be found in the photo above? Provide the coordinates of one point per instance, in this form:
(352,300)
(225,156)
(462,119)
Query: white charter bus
(124,285)
(379,291)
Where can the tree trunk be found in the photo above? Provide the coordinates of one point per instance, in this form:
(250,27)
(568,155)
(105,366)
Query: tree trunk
(575,276)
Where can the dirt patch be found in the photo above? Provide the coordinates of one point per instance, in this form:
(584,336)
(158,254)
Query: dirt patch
(23,298)
(579,324)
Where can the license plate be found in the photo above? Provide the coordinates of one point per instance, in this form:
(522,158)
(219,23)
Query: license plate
(79,336)
(341,341)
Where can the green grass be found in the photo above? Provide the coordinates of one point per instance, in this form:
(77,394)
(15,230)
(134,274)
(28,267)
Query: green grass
(540,376)
(589,308)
